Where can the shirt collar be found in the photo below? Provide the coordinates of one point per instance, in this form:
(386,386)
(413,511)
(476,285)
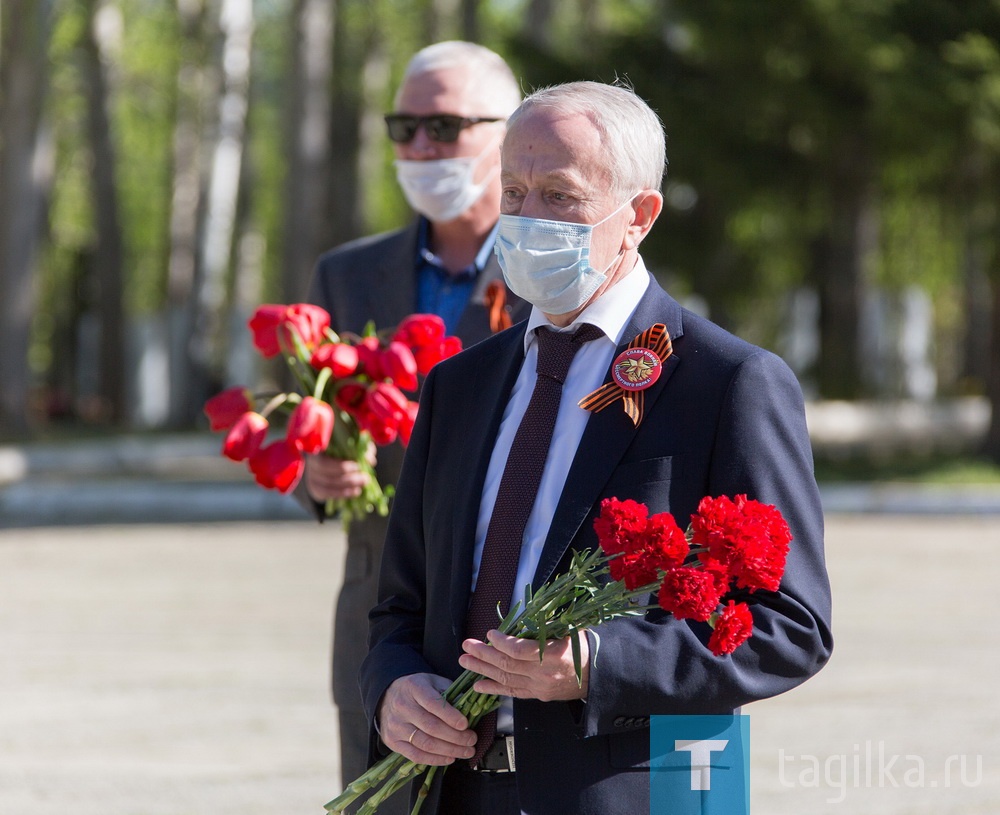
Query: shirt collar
(610,312)
(425,254)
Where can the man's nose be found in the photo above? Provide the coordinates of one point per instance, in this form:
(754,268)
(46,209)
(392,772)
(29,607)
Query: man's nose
(532,206)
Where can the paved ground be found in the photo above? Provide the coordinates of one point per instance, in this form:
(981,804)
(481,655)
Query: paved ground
(182,670)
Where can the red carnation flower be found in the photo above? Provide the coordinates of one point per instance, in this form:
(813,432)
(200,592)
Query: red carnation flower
(747,539)
(664,541)
(619,525)
(690,593)
(733,627)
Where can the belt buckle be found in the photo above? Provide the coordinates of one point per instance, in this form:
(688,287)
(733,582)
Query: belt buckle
(500,757)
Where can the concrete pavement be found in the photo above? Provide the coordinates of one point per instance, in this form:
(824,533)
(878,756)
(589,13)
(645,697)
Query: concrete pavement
(182,670)
(148,478)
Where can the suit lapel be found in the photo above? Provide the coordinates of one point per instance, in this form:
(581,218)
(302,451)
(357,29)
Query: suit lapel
(607,436)
(481,414)
(392,293)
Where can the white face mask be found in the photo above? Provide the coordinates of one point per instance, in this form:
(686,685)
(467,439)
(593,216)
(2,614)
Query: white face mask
(547,263)
(442,189)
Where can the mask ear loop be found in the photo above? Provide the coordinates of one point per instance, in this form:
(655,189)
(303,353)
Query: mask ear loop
(621,252)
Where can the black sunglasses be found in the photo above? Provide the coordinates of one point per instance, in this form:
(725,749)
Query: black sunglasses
(438,127)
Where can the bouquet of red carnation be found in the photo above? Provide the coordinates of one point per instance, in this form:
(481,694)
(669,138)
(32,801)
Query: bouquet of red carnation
(351,396)
(730,543)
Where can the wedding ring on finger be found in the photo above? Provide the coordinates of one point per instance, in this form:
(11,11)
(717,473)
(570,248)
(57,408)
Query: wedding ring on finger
(410,739)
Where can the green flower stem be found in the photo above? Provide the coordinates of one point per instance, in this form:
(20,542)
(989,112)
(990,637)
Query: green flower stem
(569,604)
(277,401)
(321,379)
(348,442)
(425,790)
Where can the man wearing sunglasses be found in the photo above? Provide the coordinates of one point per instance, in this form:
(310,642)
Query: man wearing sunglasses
(446,127)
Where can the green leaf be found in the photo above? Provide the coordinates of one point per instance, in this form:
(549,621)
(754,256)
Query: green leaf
(577,656)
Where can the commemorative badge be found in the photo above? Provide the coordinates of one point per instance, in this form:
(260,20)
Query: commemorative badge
(635,369)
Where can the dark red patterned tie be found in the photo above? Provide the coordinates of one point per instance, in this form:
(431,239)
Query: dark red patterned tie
(516,495)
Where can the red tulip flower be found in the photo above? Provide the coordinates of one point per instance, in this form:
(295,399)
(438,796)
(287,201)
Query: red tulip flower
(419,330)
(311,425)
(351,397)
(245,437)
(342,359)
(278,466)
(370,358)
(272,325)
(226,407)
(406,425)
(428,356)
(264,326)
(387,402)
(400,366)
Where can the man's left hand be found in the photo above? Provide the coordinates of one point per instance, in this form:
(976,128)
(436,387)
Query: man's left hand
(511,667)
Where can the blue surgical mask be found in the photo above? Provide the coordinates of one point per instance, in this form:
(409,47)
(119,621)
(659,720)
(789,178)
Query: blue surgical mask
(547,263)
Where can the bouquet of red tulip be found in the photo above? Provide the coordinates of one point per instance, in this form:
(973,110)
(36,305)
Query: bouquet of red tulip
(730,544)
(350,396)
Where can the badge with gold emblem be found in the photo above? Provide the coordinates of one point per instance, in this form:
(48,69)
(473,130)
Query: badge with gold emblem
(635,369)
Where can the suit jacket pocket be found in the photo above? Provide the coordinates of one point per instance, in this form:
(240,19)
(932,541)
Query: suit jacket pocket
(645,480)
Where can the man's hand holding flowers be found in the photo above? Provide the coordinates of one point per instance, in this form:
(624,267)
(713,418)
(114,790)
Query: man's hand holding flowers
(512,666)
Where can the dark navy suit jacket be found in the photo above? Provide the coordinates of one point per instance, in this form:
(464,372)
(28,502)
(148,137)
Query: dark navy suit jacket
(724,418)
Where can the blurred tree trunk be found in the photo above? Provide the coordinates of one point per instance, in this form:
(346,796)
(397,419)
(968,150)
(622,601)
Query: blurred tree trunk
(109,258)
(361,75)
(470,20)
(441,20)
(308,141)
(840,259)
(537,27)
(992,444)
(219,209)
(190,103)
(24,35)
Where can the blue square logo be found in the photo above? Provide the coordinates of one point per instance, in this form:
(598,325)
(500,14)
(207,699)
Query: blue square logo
(699,765)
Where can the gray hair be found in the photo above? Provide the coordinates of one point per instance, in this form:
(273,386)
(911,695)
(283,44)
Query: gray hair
(489,76)
(630,130)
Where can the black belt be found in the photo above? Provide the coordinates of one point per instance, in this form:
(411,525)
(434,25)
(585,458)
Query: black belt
(499,758)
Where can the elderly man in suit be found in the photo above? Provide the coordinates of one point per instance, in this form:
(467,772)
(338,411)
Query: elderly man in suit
(449,119)
(581,169)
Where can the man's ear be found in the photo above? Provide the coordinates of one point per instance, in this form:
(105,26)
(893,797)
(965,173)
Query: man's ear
(646,206)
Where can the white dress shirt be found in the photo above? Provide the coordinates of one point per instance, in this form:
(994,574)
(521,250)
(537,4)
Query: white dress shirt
(610,312)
